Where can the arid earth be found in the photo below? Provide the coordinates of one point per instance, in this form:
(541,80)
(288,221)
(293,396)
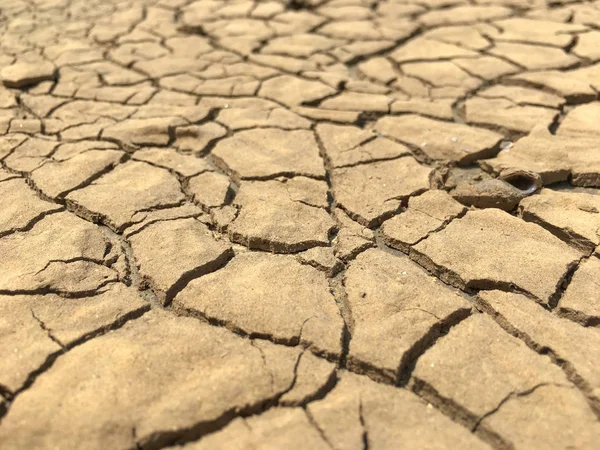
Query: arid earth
(344,224)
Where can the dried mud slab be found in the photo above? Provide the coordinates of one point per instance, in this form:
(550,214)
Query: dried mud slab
(143,131)
(271,296)
(572,216)
(21,207)
(370,193)
(314,377)
(348,146)
(587,46)
(464,14)
(522,96)
(61,253)
(420,49)
(172,252)
(130,188)
(397,310)
(572,89)
(184,165)
(425,214)
(533,57)
(145,218)
(268,153)
(503,114)
(209,189)
(581,299)
(253,117)
(552,33)
(446,78)
(26,73)
(554,158)
(581,121)
(56,178)
(549,334)
(270,211)
(358,409)
(358,101)
(6,175)
(489,249)
(275,428)
(293,91)
(503,371)
(197,138)
(441,140)
(25,155)
(95,397)
(321,258)
(35,328)
(437,108)
(352,238)
(537,419)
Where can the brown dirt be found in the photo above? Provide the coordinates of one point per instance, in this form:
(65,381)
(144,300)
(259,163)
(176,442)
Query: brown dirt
(307,224)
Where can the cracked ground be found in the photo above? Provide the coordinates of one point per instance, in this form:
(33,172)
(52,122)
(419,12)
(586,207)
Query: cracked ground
(343,224)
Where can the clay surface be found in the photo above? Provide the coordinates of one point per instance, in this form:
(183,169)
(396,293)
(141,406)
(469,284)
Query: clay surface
(299,224)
